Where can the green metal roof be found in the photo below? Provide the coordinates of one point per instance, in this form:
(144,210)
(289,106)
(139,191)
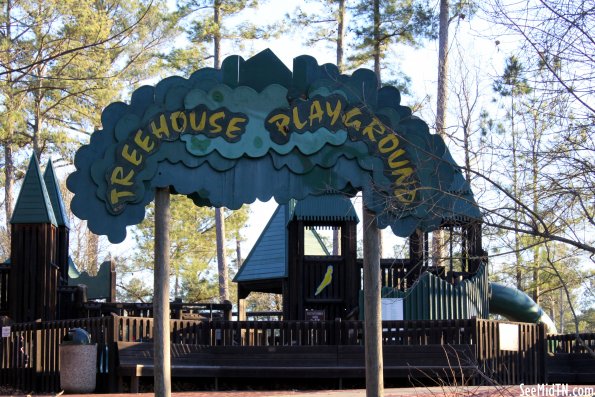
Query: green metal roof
(53,188)
(33,204)
(324,208)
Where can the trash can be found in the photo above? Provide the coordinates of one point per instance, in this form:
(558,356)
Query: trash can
(78,362)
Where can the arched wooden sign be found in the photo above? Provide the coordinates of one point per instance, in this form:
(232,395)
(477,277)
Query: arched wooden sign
(256,130)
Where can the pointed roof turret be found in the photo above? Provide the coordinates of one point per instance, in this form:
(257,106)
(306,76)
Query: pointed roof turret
(53,188)
(33,204)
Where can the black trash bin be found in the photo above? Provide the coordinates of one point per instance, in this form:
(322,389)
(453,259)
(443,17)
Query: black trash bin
(78,362)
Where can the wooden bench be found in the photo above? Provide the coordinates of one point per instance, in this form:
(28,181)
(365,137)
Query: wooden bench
(570,368)
(136,360)
(338,362)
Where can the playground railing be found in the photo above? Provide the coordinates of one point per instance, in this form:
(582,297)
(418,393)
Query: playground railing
(29,355)
(568,343)
(29,358)
(511,353)
(178,310)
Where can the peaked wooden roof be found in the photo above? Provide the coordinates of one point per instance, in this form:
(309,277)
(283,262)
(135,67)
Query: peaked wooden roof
(53,188)
(33,204)
(268,258)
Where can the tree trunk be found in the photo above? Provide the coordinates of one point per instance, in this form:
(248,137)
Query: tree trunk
(8,180)
(8,154)
(438,240)
(239,258)
(535,193)
(340,34)
(162,377)
(377,40)
(217,35)
(92,257)
(442,94)
(515,192)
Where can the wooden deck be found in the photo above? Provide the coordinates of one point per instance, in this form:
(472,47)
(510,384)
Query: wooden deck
(29,357)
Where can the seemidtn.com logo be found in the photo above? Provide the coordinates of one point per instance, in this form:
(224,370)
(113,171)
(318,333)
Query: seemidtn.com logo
(556,390)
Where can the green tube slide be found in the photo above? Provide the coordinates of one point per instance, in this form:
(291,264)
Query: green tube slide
(515,305)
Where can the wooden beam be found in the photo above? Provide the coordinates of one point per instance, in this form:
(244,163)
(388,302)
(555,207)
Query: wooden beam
(162,376)
(372,307)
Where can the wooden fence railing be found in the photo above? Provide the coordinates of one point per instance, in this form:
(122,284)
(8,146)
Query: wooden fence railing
(30,360)
(568,343)
(177,309)
(30,355)
(511,353)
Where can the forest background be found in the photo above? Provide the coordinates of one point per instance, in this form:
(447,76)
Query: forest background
(509,85)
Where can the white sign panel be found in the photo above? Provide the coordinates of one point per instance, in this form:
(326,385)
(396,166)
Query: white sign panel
(392,308)
(5,332)
(509,337)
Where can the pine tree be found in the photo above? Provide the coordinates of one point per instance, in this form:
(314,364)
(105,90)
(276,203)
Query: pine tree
(192,246)
(406,22)
(61,63)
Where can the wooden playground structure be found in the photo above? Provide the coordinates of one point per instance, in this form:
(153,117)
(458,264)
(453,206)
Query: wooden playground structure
(436,326)
(207,343)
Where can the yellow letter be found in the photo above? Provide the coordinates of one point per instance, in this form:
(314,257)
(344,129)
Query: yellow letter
(162,129)
(296,119)
(174,117)
(216,128)
(356,124)
(281,122)
(393,156)
(232,127)
(133,158)
(118,177)
(335,113)
(405,174)
(145,144)
(116,195)
(382,144)
(316,112)
(374,126)
(203,120)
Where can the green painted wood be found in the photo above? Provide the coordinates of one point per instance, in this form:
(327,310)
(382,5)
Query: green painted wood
(268,257)
(345,135)
(432,298)
(55,195)
(98,286)
(324,208)
(33,204)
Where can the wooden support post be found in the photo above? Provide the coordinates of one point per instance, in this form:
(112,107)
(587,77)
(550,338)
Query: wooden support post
(162,377)
(372,307)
